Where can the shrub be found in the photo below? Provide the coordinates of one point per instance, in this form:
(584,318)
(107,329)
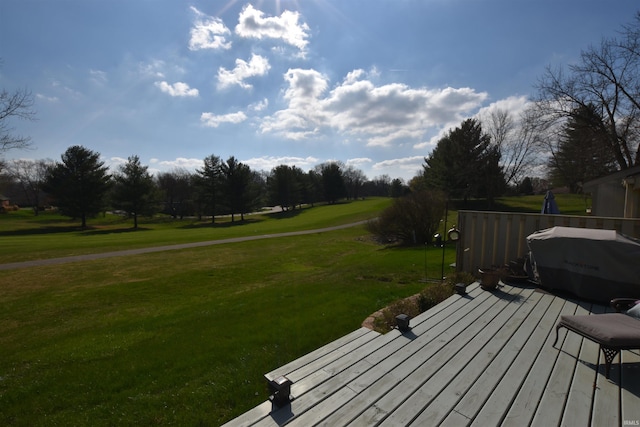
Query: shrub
(410,219)
(387,321)
(434,295)
(428,298)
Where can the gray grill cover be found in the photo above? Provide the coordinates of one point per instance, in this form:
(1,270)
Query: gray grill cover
(597,265)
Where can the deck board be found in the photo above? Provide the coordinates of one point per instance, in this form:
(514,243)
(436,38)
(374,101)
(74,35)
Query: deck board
(500,377)
(490,360)
(631,389)
(435,375)
(403,348)
(554,394)
(514,393)
(323,351)
(481,359)
(577,409)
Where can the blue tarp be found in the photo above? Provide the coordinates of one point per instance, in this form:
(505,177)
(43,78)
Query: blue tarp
(549,206)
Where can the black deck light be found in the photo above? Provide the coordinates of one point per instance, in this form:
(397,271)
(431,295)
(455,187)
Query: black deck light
(402,320)
(280,389)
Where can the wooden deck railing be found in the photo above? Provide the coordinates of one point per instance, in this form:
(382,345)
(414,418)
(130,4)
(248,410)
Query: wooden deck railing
(495,238)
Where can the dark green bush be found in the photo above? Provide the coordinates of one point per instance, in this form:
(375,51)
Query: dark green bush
(410,219)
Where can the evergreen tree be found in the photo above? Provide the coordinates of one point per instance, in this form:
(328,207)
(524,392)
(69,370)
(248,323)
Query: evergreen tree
(464,164)
(239,186)
(526,186)
(285,186)
(209,184)
(332,182)
(79,184)
(583,153)
(135,191)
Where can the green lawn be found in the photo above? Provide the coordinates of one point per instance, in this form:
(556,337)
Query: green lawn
(569,204)
(182,337)
(24,236)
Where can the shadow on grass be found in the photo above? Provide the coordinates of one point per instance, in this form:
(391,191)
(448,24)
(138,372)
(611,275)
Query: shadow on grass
(226,224)
(42,230)
(285,214)
(105,231)
(64,229)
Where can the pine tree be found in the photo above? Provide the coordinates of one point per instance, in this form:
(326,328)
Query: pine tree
(464,164)
(583,153)
(134,191)
(79,183)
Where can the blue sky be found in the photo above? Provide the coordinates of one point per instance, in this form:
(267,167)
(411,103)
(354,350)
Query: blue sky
(372,83)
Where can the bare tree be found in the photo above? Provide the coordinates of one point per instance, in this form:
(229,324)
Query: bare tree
(177,187)
(18,105)
(518,140)
(30,176)
(607,76)
(354,180)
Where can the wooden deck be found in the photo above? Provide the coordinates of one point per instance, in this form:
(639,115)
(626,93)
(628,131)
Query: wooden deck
(482,359)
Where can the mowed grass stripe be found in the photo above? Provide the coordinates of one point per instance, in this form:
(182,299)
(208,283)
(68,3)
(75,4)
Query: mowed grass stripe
(184,336)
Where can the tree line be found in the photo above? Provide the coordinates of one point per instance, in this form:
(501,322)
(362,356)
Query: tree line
(81,186)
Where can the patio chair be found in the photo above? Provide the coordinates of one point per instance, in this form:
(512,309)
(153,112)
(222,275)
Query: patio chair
(612,331)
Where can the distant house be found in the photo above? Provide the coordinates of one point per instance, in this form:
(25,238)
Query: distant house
(616,195)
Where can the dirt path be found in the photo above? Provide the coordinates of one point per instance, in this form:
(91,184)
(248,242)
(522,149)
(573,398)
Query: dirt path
(91,257)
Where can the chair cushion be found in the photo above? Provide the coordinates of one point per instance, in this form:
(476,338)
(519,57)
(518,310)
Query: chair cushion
(634,311)
(610,329)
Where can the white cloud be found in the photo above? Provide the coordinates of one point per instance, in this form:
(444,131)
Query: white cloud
(358,162)
(380,115)
(266,163)
(433,141)
(403,163)
(402,167)
(213,121)
(304,114)
(153,69)
(114,163)
(354,76)
(178,89)
(47,98)
(98,77)
(257,66)
(260,105)
(208,33)
(179,163)
(514,105)
(253,24)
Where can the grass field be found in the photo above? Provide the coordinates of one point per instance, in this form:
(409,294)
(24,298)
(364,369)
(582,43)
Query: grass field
(182,337)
